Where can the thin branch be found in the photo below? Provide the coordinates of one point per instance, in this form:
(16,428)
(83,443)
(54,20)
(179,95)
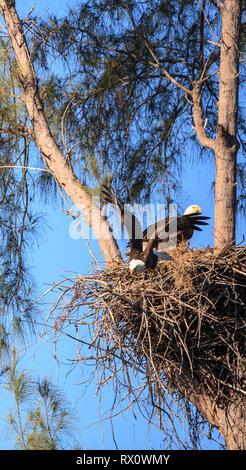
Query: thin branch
(166,73)
(207,20)
(218,3)
(201,40)
(33,23)
(25,168)
(198,118)
(63,126)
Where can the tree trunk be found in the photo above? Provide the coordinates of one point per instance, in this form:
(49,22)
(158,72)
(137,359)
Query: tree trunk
(226,140)
(51,153)
(230,419)
(234,428)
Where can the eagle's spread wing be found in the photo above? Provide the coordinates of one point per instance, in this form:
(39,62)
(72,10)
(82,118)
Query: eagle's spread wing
(172,229)
(128,220)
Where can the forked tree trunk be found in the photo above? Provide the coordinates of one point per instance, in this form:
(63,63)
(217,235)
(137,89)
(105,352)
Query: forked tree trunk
(226,139)
(225,146)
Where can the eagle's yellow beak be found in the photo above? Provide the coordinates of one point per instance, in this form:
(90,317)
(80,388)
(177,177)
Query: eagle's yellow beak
(198,208)
(131,272)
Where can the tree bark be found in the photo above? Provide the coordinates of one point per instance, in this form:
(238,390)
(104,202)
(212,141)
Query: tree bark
(230,419)
(51,153)
(225,146)
(226,139)
(196,95)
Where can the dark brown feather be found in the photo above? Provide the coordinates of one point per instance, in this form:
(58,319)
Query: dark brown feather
(166,230)
(134,230)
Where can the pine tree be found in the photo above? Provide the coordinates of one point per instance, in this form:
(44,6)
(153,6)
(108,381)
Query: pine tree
(142,69)
(41,418)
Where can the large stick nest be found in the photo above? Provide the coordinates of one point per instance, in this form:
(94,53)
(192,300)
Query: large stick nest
(189,314)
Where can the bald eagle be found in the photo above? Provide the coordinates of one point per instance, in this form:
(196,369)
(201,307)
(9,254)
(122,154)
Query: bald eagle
(140,257)
(170,232)
(147,247)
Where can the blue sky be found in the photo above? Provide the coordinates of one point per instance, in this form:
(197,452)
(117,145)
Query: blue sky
(58,256)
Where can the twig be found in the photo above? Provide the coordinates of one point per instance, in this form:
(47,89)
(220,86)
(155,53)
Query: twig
(25,167)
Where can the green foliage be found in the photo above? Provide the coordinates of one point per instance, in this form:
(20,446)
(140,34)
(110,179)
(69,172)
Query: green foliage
(115,115)
(41,418)
(118,112)
(18,227)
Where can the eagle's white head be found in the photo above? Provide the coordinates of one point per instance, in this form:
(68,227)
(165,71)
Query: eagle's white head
(136,266)
(192,209)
